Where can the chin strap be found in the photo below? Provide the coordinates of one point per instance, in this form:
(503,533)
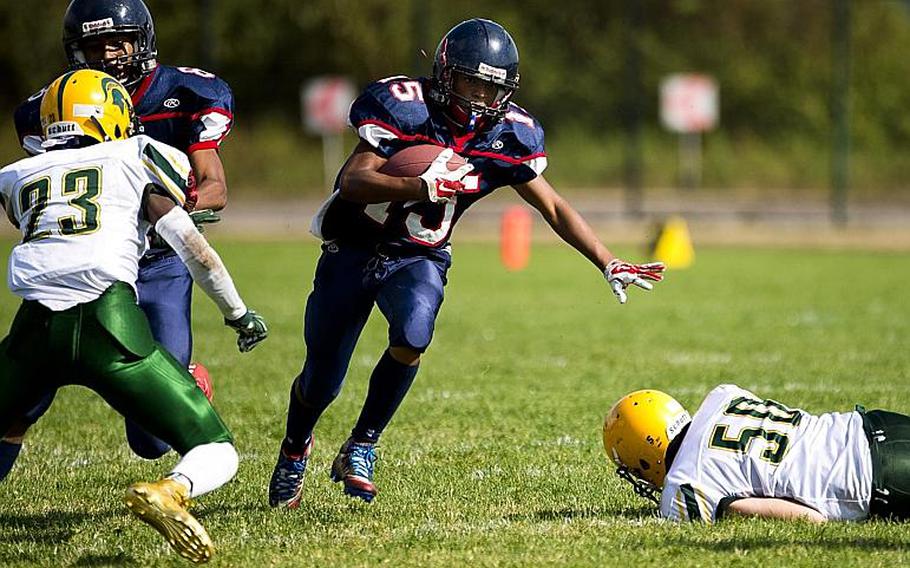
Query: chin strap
(641,487)
(472,123)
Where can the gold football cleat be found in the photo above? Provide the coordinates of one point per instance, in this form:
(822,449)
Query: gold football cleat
(162,504)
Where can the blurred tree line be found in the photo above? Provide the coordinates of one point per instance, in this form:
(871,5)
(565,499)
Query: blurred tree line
(771,58)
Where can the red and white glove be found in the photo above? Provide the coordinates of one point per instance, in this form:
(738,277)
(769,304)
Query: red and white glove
(442,183)
(620,274)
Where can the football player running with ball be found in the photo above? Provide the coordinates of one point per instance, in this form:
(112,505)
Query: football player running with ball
(84,208)
(183,107)
(744,455)
(386,239)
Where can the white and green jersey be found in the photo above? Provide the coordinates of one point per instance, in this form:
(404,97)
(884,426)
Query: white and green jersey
(79,211)
(740,445)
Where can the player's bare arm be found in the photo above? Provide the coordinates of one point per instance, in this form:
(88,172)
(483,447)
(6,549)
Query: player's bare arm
(361,181)
(157,206)
(211,183)
(573,229)
(770,508)
(565,220)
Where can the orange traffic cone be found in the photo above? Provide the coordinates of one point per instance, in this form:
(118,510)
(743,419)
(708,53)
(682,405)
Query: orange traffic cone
(515,242)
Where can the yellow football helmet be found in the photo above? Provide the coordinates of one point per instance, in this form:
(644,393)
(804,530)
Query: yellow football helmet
(87,103)
(637,432)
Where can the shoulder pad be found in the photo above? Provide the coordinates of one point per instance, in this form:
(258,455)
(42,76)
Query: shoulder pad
(528,132)
(518,139)
(173,155)
(389,109)
(27,116)
(210,90)
(203,97)
(169,167)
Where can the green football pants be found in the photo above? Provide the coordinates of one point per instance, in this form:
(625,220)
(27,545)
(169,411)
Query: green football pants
(889,444)
(107,346)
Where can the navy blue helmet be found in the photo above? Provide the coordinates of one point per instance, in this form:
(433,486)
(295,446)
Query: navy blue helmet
(86,20)
(481,49)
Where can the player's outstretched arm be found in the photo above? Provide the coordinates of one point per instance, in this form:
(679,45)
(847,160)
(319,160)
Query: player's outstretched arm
(771,508)
(174,225)
(573,229)
(568,223)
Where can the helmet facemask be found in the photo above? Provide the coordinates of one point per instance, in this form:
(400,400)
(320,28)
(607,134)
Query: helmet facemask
(465,110)
(641,487)
(129,68)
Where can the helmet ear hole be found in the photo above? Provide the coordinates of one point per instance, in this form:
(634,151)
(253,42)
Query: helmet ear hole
(644,465)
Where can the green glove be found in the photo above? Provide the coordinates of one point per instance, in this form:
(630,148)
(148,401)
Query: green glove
(251,330)
(204,216)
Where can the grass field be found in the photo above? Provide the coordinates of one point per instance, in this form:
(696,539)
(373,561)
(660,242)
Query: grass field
(495,457)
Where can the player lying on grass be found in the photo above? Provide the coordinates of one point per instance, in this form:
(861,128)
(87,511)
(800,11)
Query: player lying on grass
(386,238)
(744,455)
(84,208)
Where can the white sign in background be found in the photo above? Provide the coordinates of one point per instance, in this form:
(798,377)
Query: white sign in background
(325,103)
(689,102)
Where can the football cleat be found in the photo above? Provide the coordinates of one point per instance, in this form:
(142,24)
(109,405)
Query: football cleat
(354,466)
(162,504)
(203,379)
(286,485)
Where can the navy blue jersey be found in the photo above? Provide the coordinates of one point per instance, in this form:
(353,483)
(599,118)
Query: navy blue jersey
(392,114)
(183,107)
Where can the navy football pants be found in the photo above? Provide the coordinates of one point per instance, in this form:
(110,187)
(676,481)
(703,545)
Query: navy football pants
(165,294)
(349,280)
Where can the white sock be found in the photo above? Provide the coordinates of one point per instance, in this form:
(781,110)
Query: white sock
(206,467)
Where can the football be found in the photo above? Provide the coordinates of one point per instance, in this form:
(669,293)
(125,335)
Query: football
(414,160)
(203,380)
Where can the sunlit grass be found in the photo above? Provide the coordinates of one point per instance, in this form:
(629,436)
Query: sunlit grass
(495,457)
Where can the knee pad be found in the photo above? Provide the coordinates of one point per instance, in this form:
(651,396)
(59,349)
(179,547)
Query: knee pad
(416,332)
